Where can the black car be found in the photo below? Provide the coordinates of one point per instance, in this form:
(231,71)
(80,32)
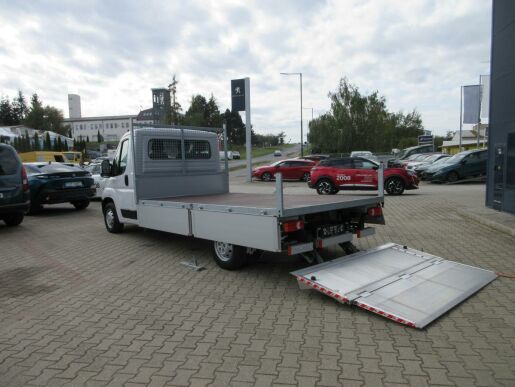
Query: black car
(14,187)
(53,183)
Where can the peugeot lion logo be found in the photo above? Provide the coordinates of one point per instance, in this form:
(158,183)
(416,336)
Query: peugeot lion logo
(237,90)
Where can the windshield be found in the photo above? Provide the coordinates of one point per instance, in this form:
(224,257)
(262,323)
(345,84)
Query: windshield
(455,158)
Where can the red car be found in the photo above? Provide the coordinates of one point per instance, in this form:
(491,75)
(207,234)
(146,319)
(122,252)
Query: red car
(356,173)
(294,169)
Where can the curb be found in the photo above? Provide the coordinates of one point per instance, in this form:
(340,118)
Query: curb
(486,222)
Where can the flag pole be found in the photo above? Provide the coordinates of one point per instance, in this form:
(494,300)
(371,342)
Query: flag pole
(461,112)
(479,112)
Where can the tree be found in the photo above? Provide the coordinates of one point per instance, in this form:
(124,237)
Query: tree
(6,113)
(19,107)
(44,118)
(47,143)
(59,144)
(35,116)
(235,127)
(36,141)
(100,138)
(55,147)
(357,121)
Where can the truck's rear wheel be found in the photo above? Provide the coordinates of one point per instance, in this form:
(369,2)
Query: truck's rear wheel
(111,221)
(229,256)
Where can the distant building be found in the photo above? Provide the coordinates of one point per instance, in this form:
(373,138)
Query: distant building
(74,110)
(111,128)
(468,140)
(161,107)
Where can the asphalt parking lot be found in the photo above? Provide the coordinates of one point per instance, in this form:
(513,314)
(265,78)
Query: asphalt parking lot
(80,306)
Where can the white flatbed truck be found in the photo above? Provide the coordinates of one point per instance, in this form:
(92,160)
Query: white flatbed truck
(171,179)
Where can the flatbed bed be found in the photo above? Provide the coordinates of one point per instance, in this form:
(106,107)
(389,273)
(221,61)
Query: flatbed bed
(264,204)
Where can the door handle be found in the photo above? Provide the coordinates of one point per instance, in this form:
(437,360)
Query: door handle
(126,180)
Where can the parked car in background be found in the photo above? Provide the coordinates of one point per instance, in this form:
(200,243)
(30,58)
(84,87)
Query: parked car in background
(356,173)
(294,169)
(420,169)
(96,170)
(467,164)
(236,155)
(415,160)
(431,158)
(364,154)
(277,153)
(405,153)
(315,158)
(53,183)
(229,155)
(14,187)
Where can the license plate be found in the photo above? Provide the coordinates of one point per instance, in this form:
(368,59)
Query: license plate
(73,184)
(330,230)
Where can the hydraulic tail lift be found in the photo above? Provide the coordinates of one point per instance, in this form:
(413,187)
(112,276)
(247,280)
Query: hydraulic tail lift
(407,286)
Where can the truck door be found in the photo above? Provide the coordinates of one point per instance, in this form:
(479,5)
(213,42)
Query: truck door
(122,181)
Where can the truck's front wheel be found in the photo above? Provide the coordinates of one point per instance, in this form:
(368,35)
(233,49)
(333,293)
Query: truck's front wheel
(111,221)
(229,256)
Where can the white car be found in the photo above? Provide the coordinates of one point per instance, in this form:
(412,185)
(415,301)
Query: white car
(236,155)
(278,153)
(95,170)
(229,155)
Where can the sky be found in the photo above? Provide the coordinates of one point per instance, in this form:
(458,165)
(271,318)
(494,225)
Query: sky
(416,53)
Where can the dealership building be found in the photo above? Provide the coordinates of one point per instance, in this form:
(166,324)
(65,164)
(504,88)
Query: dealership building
(500,192)
(111,128)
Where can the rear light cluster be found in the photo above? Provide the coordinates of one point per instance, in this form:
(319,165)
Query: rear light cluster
(375,212)
(293,225)
(24,179)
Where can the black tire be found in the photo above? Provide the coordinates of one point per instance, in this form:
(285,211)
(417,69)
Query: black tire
(82,205)
(14,219)
(267,176)
(326,187)
(306,177)
(394,186)
(111,221)
(228,256)
(452,177)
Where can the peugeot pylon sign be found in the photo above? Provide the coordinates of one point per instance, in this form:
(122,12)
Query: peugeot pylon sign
(238,95)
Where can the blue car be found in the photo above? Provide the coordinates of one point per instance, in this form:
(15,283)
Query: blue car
(53,183)
(463,165)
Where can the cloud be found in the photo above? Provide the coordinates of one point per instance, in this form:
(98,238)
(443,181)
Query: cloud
(417,54)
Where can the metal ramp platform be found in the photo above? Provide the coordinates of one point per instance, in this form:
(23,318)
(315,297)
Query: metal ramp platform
(402,284)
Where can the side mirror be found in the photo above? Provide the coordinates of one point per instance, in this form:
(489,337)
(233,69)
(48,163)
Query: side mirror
(375,167)
(464,161)
(106,168)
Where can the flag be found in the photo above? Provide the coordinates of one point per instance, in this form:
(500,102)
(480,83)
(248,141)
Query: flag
(485,96)
(471,104)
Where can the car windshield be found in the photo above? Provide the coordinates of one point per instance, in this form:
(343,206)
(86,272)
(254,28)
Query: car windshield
(454,159)
(276,163)
(32,169)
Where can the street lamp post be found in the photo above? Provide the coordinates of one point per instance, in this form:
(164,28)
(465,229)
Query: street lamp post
(301,124)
